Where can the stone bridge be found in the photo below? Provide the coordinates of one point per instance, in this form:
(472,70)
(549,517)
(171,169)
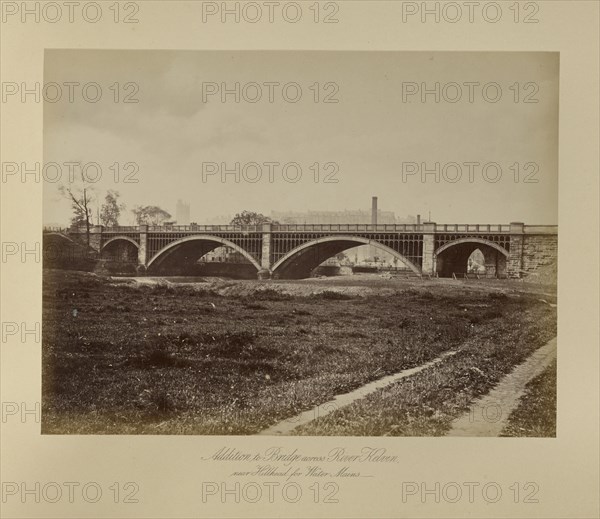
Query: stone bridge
(293,251)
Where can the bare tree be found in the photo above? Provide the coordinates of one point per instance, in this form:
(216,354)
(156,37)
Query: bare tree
(81,195)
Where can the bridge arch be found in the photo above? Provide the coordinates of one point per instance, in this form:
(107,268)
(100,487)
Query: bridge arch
(59,235)
(472,240)
(192,248)
(120,249)
(58,245)
(119,238)
(62,251)
(453,257)
(300,261)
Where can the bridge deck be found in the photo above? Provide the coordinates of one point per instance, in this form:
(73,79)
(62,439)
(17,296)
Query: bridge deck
(329,228)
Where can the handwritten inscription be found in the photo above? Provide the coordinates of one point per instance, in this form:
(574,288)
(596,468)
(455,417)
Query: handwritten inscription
(287,464)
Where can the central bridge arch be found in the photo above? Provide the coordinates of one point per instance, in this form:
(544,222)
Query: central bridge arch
(190,249)
(300,261)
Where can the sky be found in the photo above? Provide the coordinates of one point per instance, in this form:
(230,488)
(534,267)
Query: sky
(370,135)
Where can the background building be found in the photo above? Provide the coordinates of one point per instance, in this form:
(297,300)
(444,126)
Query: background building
(346,216)
(182,213)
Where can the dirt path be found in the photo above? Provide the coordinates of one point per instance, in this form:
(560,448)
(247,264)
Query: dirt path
(287,426)
(489,415)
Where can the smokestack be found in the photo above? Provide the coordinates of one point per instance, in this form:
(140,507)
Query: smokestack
(418,219)
(374,210)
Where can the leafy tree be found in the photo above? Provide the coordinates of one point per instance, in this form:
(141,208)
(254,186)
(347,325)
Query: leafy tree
(111,209)
(150,215)
(250,218)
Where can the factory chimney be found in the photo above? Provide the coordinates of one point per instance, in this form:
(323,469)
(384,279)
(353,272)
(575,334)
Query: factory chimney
(418,219)
(374,211)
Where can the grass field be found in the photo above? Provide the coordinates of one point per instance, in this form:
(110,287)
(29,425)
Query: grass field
(237,357)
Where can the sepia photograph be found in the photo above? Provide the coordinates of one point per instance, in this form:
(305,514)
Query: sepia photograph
(299,259)
(300,243)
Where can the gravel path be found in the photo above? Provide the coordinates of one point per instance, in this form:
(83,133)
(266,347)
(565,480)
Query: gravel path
(489,415)
(287,426)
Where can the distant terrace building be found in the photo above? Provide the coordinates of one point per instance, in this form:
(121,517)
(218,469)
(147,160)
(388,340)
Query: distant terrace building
(334,217)
(218,220)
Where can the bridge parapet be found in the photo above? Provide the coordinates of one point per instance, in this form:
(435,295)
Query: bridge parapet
(465,227)
(55,229)
(345,228)
(540,229)
(120,229)
(423,227)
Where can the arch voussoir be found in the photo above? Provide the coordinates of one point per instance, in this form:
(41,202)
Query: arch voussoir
(121,238)
(481,241)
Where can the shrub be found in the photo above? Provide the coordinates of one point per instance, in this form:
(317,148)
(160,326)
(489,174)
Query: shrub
(121,268)
(163,403)
(334,296)
(270,294)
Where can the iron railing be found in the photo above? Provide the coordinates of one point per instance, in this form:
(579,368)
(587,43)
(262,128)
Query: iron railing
(351,227)
(467,227)
(437,228)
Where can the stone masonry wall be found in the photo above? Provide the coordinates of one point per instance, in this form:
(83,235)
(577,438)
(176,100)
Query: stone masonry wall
(539,251)
(514,263)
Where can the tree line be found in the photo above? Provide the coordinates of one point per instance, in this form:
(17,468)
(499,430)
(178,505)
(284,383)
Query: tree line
(84,199)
